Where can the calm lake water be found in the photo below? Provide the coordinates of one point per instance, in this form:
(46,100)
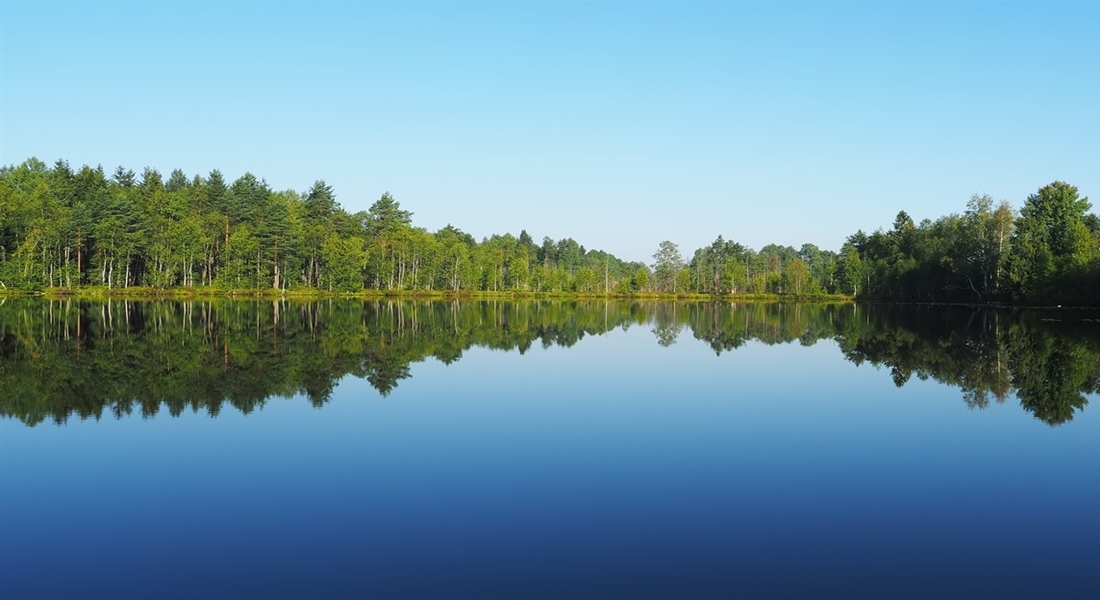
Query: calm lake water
(546,450)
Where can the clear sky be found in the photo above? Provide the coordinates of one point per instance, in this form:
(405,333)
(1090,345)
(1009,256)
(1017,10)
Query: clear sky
(619,124)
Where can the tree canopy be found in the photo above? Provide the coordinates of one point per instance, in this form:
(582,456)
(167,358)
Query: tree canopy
(61,228)
(66,228)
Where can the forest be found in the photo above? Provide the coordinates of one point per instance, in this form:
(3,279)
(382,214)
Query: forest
(64,230)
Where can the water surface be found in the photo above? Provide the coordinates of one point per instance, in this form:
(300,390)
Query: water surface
(546,450)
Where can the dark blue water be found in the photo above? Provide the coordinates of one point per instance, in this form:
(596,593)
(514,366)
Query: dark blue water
(614,468)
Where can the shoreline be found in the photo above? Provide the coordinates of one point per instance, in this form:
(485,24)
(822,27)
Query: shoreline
(151,294)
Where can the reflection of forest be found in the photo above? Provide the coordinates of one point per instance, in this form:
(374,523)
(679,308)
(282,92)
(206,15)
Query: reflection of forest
(67,358)
(1048,359)
(64,358)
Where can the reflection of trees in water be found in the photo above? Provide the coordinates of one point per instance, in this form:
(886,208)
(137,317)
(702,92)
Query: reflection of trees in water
(726,327)
(1054,365)
(64,358)
(666,324)
(1049,364)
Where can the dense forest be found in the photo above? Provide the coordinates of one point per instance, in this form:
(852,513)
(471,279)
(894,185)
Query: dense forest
(1049,253)
(66,358)
(65,229)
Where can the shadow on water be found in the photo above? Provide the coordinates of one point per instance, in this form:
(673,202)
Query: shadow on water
(66,358)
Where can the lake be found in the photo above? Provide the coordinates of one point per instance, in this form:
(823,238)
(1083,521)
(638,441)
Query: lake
(597,449)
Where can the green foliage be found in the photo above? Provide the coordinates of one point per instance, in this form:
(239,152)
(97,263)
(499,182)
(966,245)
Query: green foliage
(61,228)
(1050,254)
(345,257)
(667,264)
(1053,247)
(64,229)
(719,268)
(385,217)
(849,269)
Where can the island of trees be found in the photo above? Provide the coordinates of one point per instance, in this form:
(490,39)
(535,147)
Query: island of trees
(64,231)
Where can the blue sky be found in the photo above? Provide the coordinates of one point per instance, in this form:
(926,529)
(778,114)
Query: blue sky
(619,124)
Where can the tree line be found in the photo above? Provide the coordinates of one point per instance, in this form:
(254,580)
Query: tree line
(66,228)
(1048,253)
